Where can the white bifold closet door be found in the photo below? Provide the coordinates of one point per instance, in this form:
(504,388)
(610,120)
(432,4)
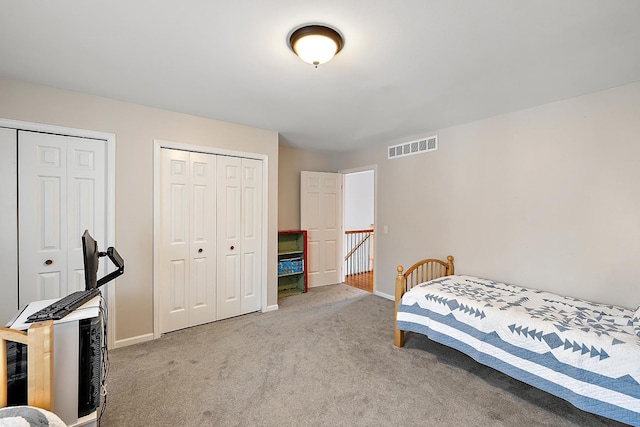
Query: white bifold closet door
(211,249)
(188,215)
(61,192)
(239,236)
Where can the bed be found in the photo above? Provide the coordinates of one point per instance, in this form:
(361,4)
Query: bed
(580,351)
(39,341)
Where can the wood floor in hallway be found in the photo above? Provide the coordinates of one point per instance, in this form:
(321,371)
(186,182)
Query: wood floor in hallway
(362,281)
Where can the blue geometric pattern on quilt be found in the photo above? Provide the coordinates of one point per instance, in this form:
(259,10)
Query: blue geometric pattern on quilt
(625,385)
(455,305)
(584,352)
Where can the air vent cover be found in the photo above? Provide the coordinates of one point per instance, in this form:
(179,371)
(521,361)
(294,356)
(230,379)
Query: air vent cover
(413,147)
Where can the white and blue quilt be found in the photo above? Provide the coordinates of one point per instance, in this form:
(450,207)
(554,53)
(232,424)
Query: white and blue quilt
(583,352)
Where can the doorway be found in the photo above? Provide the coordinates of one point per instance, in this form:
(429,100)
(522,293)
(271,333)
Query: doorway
(359,225)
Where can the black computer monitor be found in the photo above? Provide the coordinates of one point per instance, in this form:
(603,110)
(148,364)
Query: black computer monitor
(91,259)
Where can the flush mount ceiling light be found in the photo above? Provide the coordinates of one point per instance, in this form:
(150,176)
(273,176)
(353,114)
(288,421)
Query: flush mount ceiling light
(316,44)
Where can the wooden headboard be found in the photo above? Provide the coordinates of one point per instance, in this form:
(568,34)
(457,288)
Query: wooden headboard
(420,272)
(39,341)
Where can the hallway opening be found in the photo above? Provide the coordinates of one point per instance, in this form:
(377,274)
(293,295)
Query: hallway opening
(359,229)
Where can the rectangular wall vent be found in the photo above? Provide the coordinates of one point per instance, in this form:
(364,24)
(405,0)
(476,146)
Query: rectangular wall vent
(413,147)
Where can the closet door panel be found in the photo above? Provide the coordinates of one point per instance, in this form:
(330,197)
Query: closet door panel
(229,235)
(86,170)
(229,289)
(61,192)
(175,240)
(188,218)
(50,285)
(42,207)
(251,244)
(199,258)
(203,238)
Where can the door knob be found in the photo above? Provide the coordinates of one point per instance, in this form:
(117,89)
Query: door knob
(200,250)
(48,262)
(232,247)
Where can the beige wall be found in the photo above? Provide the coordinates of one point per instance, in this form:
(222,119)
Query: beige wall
(135,128)
(546,197)
(291,162)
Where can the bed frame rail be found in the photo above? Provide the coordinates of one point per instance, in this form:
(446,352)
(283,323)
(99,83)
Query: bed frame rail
(420,272)
(39,341)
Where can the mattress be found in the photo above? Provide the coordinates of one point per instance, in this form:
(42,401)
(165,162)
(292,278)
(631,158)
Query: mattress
(583,352)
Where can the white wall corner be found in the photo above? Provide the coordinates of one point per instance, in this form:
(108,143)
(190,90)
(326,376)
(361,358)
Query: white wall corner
(383,295)
(133,340)
(270,308)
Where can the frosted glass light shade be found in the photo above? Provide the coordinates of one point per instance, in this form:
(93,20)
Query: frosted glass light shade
(315,49)
(316,44)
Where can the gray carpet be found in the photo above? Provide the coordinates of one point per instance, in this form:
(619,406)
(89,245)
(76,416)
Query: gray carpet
(325,358)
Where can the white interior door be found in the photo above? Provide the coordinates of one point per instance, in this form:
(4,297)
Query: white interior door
(229,236)
(61,192)
(321,216)
(188,253)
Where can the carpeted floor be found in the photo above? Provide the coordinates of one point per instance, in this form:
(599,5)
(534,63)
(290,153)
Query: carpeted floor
(325,358)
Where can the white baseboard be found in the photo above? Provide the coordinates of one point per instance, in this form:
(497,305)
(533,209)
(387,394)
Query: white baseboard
(324,284)
(271,308)
(133,340)
(387,296)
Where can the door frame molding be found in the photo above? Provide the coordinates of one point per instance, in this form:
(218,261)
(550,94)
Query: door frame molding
(159,144)
(110,232)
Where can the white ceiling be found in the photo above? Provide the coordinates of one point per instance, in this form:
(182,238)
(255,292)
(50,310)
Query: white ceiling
(408,66)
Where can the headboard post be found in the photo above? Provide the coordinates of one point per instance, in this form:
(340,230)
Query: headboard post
(40,385)
(3,373)
(450,266)
(401,286)
(39,341)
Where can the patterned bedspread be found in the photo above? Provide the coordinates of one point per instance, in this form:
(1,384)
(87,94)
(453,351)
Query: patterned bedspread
(586,353)
(28,416)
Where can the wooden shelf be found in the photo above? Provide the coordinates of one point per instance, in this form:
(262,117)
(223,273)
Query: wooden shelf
(293,242)
(290,274)
(287,292)
(287,286)
(291,252)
